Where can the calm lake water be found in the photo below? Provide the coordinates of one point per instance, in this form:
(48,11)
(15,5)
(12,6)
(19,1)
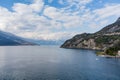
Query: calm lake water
(54,63)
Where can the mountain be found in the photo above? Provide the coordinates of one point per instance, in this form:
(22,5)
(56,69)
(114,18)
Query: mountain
(115,27)
(46,42)
(49,42)
(8,39)
(101,40)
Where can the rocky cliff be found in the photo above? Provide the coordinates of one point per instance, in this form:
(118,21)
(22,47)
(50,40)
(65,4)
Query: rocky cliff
(105,38)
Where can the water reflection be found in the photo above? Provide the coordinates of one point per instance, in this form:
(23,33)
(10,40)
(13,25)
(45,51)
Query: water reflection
(54,63)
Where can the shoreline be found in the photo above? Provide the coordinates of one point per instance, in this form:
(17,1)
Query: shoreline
(108,56)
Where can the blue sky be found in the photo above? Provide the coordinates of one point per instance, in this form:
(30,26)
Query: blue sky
(93,5)
(56,19)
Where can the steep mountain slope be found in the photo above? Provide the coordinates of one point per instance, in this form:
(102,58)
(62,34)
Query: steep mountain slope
(8,39)
(115,27)
(101,40)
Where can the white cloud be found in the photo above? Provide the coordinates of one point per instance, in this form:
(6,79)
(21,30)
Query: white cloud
(49,36)
(21,8)
(107,11)
(61,1)
(76,1)
(68,19)
(28,20)
(50,1)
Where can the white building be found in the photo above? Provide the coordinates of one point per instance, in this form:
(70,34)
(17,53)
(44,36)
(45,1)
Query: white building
(119,52)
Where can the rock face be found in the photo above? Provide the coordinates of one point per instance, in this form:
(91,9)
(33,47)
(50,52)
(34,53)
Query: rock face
(8,39)
(106,37)
(112,28)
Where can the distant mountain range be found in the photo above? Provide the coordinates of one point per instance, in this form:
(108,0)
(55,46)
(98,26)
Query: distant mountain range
(107,37)
(46,42)
(8,39)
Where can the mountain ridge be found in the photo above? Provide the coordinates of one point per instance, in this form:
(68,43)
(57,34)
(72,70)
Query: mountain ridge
(101,40)
(114,27)
(8,39)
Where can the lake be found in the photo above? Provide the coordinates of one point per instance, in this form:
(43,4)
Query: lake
(54,63)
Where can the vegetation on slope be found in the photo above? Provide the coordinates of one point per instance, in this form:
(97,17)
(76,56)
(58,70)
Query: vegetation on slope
(105,39)
(113,50)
